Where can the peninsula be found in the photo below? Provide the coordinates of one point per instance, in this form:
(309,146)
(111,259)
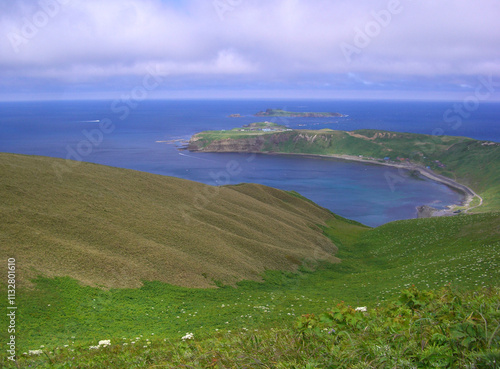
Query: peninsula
(467,165)
(292,114)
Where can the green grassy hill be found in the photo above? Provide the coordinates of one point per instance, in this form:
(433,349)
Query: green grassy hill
(470,162)
(114,227)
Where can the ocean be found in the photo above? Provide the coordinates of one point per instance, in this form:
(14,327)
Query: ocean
(70,129)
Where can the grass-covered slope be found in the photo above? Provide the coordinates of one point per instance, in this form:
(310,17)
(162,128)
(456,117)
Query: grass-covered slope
(255,320)
(462,250)
(477,165)
(114,227)
(424,329)
(471,162)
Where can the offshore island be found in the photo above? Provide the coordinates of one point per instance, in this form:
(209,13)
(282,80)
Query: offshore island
(290,114)
(466,165)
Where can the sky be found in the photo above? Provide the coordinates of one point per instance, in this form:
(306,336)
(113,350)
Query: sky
(328,49)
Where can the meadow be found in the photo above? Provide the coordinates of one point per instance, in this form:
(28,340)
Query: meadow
(445,328)
(146,325)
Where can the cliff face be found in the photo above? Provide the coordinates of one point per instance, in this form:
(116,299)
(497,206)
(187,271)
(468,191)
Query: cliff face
(228,145)
(249,144)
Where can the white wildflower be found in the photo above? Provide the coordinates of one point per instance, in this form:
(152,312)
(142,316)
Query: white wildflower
(188,336)
(361,308)
(35,352)
(104,343)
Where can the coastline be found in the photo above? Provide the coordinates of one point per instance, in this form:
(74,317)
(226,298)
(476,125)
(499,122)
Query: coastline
(469,194)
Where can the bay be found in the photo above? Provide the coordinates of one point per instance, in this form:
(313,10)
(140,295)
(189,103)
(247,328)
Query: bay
(353,190)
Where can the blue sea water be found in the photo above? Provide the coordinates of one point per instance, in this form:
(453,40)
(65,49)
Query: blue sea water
(66,129)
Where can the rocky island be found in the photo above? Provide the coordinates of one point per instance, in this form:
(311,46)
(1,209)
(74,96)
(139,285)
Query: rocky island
(292,114)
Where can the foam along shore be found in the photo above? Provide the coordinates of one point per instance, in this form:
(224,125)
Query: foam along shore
(468,192)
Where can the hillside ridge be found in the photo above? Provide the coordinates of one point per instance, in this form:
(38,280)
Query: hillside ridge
(115,227)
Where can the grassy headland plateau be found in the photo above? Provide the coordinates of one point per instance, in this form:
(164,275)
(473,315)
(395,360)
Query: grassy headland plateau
(474,164)
(112,254)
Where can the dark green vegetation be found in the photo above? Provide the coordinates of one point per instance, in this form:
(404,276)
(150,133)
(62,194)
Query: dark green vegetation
(248,323)
(473,163)
(443,329)
(423,329)
(292,114)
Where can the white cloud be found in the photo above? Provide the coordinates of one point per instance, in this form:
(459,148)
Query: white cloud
(273,39)
(226,62)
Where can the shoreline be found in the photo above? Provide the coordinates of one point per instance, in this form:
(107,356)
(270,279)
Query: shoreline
(468,193)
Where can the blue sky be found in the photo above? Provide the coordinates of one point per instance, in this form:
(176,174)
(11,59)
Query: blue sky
(408,49)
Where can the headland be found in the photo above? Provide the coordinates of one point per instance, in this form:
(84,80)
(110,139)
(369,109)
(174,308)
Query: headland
(457,162)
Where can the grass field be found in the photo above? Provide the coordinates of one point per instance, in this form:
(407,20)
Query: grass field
(239,324)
